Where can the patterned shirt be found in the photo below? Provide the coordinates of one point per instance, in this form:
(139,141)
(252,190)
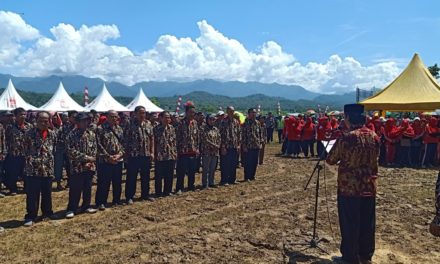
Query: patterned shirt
(3,148)
(109,141)
(82,145)
(165,142)
(138,138)
(39,153)
(230,132)
(357,152)
(188,140)
(263,133)
(15,138)
(63,133)
(252,134)
(210,138)
(437,196)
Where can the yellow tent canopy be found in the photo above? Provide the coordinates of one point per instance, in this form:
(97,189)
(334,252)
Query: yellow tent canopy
(415,90)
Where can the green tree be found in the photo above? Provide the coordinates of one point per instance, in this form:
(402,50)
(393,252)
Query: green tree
(434,70)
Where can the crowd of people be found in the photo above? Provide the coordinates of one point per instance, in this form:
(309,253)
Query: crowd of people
(404,141)
(36,148)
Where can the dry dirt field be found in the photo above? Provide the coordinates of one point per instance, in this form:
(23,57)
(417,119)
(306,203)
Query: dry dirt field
(257,222)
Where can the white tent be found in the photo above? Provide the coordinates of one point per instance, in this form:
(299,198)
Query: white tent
(142,100)
(10,99)
(105,102)
(61,102)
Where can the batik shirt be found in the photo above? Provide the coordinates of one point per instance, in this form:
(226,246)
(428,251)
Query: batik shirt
(210,138)
(263,133)
(165,142)
(437,195)
(82,145)
(109,141)
(252,134)
(39,153)
(15,138)
(138,138)
(3,149)
(357,153)
(63,133)
(188,139)
(230,132)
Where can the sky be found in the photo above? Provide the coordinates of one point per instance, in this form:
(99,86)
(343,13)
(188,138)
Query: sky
(325,46)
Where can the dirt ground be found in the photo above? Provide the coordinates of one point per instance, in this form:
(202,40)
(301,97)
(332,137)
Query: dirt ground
(257,222)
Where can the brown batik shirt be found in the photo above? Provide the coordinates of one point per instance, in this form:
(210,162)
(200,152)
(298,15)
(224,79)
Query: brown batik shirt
(63,133)
(230,132)
(39,153)
(357,154)
(252,134)
(3,148)
(15,138)
(210,138)
(82,145)
(138,138)
(188,138)
(109,140)
(165,142)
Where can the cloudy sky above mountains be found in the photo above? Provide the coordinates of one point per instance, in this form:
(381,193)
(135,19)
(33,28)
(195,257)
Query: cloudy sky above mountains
(98,50)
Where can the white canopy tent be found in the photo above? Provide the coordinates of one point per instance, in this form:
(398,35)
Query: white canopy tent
(105,102)
(142,100)
(61,102)
(10,99)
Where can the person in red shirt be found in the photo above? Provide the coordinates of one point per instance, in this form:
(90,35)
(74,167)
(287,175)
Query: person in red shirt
(431,141)
(294,136)
(370,124)
(323,133)
(284,136)
(416,142)
(307,138)
(406,133)
(391,136)
(334,123)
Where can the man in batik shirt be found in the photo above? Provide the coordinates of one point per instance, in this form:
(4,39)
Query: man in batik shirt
(3,153)
(210,145)
(15,160)
(252,141)
(356,152)
(39,149)
(230,132)
(138,138)
(82,149)
(165,155)
(188,143)
(110,157)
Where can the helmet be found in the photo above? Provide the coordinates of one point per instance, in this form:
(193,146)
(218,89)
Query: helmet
(434,227)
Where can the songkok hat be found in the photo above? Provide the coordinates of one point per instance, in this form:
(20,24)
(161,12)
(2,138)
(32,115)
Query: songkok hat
(354,108)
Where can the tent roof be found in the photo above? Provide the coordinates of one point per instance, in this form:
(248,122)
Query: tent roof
(142,99)
(105,102)
(413,90)
(11,99)
(61,102)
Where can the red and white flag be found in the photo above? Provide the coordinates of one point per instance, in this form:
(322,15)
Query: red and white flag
(86,95)
(179,102)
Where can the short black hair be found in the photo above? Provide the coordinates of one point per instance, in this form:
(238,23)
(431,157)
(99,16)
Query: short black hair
(42,112)
(19,110)
(356,118)
(138,108)
(163,113)
(252,110)
(72,113)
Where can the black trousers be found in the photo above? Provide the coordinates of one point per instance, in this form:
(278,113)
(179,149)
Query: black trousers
(80,184)
(357,221)
(322,153)
(269,134)
(37,187)
(164,172)
(308,146)
(135,166)
(228,166)
(280,136)
(109,174)
(430,154)
(2,173)
(250,163)
(186,165)
(14,171)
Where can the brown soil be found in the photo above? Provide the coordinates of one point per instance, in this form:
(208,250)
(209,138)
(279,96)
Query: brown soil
(257,222)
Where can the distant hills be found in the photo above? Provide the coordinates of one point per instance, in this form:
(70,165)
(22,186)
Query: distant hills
(208,94)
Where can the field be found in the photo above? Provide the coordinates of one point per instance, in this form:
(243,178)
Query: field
(257,222)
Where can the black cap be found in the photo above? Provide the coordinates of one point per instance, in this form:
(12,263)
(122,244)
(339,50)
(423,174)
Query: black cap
(82,116)
(354,108)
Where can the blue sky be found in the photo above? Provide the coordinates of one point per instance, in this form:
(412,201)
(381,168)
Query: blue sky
(371,32)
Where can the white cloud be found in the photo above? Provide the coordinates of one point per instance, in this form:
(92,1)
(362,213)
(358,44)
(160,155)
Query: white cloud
(24,51)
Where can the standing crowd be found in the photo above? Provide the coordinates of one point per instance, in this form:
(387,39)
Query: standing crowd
(404,142)
(35,149)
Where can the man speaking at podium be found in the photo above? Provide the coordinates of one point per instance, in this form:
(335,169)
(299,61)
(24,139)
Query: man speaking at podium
(356,153)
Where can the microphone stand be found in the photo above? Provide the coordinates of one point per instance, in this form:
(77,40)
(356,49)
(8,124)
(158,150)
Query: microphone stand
(314,241)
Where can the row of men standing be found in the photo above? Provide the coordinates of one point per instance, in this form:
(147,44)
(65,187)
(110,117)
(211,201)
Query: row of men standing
(104,148)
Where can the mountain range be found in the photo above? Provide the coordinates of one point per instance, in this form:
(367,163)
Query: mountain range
(206,91)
